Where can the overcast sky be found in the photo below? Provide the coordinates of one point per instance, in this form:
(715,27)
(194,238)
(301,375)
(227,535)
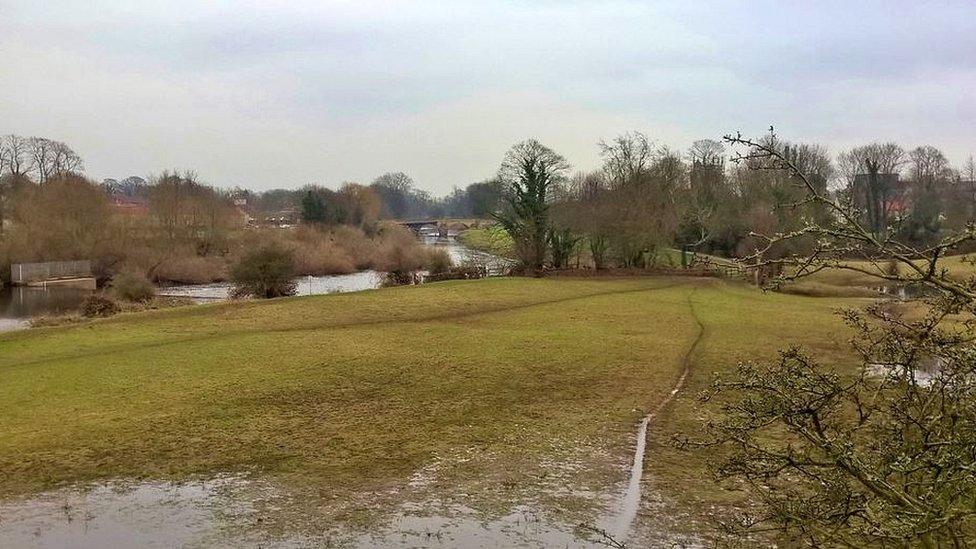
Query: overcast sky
(279,94)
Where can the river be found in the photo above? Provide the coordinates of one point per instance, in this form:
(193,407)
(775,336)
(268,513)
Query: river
(19,304)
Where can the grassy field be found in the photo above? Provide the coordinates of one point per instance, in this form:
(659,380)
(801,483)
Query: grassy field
(354,393)
(958,267)
(493,240)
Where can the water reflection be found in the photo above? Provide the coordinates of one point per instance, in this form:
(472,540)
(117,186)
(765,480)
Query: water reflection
(203,513)
(20,303)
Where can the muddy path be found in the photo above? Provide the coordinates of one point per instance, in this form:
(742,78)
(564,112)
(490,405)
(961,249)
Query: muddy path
(630,503)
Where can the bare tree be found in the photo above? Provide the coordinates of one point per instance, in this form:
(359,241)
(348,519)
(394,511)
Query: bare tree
(928,166)
(627,157)
(707,152)
(882,456)
(969,182)
(15,155)
(969,169)
(41,151)
(48,158)
(64,161)
(880,164)
(395,189)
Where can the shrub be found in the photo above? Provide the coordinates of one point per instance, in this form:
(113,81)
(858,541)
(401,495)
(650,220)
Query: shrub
(322,257)
(397,249)
(400,278)
(361,250)
(439,261)
(131,286)
(460,272)
(266,272)
(191,269)
(99,305)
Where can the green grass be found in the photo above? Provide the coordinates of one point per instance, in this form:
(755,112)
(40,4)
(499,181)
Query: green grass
(356,392)
(493,240)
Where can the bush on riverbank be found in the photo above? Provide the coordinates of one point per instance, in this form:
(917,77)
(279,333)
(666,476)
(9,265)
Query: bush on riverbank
(189,268)
(132,286)
(459,272)
(99,305)
(266,272)
(343,249)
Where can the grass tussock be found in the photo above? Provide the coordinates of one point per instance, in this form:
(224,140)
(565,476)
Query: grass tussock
(154,304)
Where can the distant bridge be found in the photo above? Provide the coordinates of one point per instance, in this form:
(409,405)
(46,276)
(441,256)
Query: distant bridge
(441,225)
(417,224)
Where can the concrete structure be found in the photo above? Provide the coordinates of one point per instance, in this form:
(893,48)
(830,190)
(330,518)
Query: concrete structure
(76,274)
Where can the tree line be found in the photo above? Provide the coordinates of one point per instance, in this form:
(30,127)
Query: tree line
(646,200)
(172,227)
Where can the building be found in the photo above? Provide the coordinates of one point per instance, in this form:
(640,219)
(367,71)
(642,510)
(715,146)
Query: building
(129,205)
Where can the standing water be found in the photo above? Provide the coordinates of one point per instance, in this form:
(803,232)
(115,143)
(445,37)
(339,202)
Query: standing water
(19,303)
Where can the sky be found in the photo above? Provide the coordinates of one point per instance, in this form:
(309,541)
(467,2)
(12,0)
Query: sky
(281,94)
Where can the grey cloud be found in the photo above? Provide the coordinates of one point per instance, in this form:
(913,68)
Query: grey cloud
(439,89)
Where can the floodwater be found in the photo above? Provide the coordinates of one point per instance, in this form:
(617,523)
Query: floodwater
(19,303)
(147,514)
(234,510)
(926,373)
(228,511)
(459,526)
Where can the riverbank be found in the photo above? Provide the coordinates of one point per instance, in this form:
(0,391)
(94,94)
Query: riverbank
(499,394)
(22,307)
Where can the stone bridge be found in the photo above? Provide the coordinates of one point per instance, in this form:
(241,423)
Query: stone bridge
(443,226)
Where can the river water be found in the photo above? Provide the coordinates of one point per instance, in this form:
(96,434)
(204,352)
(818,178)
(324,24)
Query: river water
(354,282)
(19,304)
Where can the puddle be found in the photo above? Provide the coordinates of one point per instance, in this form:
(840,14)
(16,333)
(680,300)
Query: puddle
(459,526)
(630,502)
(208,513)
(926,373)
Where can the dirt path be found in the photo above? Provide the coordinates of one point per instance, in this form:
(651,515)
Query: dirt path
(631,499)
